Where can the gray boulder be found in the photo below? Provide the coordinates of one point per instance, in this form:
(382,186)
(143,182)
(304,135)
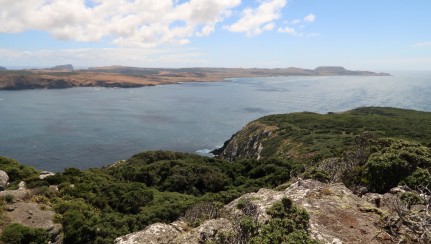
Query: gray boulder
(4,180)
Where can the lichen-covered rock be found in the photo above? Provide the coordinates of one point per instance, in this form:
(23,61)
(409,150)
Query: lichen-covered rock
(155,233)
(204,233)
(336,214)
(4,180)
(31,214)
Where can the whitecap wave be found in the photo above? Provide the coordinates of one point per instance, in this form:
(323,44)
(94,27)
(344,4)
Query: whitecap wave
(205,152)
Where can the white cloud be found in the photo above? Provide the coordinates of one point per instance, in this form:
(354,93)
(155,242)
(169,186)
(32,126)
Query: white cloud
(296,21)
(144,23)
(310,18)
(423,44)
(288,30)
(269,26)
(138,57)
(254,21)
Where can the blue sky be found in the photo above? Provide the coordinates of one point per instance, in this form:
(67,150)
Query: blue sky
(373,35)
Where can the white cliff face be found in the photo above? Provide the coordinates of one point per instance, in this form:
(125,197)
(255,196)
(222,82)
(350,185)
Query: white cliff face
(336,216)
(4,180)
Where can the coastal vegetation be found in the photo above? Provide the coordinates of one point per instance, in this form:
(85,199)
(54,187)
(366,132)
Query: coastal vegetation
(368,149)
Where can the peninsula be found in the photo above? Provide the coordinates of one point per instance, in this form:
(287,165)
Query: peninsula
(65,76)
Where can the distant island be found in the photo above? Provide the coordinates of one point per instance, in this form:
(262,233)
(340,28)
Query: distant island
(65,76)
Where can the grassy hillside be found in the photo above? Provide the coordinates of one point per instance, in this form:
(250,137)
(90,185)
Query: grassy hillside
(313,136)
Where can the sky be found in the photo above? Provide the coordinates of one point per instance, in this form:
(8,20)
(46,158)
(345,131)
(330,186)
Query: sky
(376,35)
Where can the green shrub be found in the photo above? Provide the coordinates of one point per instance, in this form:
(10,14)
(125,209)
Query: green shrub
(419,178)
(411,198)
(288,224)
(394,161)
(319,175)
(8,198)
(16,171)
(19,234)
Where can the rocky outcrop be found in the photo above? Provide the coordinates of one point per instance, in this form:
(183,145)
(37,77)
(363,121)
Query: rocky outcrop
(155,233)
(4,180)
(177,233)
(24,209)
(336,216)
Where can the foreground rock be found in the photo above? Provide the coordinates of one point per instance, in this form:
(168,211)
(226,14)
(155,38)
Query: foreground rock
(177,233)
(23,208)
(4,180)
(336,216)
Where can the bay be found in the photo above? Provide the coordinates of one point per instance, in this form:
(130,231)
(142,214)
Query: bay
(91,127)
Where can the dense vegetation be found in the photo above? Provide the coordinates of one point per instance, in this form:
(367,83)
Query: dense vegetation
(98,205)
(375,148)
(19,234)
(318,136)
(372,148)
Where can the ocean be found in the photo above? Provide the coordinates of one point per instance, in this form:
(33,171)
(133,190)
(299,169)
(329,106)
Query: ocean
(92,127)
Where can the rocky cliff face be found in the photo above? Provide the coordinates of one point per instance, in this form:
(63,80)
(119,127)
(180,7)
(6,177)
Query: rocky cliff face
(336,216)
(247,143)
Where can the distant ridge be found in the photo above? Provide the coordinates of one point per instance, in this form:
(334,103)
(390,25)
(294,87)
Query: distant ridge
(2,68)
(64,76)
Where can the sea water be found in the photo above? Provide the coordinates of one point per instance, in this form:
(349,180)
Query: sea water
(91,127)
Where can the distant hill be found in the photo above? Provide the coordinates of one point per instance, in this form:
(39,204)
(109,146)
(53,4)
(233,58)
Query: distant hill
(338,70)
(2,68)
(63,67)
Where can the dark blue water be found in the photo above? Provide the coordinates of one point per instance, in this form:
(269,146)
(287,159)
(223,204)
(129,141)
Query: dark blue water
(91,127)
